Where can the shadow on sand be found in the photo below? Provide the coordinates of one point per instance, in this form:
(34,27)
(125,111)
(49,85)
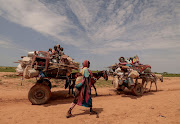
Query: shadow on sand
(128,93)
(87,111)
(60,97)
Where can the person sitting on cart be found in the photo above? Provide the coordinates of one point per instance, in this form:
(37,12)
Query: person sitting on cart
(55,54)
(61,51)
(50,51)
(122,61)
(58,48)
(83,90)
(55,51)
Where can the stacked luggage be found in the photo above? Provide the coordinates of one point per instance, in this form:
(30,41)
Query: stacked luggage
(41,63)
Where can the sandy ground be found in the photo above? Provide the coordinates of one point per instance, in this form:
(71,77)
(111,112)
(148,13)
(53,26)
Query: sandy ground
(113,107)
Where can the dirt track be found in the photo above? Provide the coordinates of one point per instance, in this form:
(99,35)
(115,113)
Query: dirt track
(113,107)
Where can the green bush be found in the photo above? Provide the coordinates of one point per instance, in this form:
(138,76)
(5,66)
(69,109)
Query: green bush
(171,75)
(7,69)
(166,74)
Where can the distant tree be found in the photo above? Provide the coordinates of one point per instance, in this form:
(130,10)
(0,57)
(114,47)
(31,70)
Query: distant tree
(165,73)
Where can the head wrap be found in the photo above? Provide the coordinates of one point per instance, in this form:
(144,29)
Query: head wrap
(86,63)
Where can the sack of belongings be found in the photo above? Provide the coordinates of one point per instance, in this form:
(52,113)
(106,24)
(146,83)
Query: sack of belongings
(33,73)
(133,74)
(19,69)
(39,62)
(23,63)
(116,82)
(79,79)
(30,72)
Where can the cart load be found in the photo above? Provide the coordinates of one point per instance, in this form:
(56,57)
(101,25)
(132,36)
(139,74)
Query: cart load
(41,63)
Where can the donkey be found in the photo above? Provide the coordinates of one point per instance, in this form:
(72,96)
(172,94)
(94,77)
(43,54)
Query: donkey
(153,79)
(95,77)
(72,77)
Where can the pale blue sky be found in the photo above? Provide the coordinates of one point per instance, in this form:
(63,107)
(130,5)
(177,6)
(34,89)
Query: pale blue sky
(98,30)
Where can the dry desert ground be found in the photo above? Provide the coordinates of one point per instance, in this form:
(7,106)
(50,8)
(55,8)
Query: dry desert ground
(161,107)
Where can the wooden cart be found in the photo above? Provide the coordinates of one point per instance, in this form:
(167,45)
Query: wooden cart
(42,66)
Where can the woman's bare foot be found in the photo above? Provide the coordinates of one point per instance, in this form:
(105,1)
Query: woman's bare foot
(92,111)
(69,114)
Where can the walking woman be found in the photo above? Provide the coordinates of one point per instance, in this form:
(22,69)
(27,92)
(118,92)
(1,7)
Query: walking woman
(83,90)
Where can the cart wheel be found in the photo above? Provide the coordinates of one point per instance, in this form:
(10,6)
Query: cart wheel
(45,82)
(39,94)
(138,90)
(121,88)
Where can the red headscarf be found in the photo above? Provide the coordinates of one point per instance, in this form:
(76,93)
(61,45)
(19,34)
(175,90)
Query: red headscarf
(86,63)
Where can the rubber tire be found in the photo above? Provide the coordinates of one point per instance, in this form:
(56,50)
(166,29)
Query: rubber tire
(138,89)
(41,88)
(45,82)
